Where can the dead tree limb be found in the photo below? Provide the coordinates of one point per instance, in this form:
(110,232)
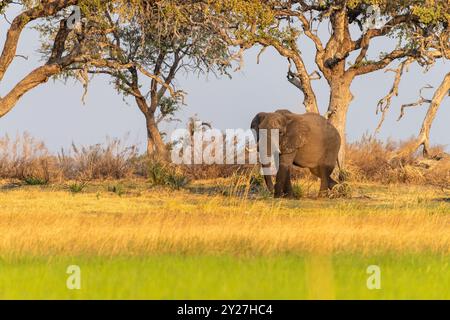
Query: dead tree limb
(385,103)
(423,138)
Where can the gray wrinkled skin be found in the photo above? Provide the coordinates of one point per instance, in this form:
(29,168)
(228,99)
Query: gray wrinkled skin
(306,141)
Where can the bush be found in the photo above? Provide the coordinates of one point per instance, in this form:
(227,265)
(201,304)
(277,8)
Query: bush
(112,159)
(368,160)
(77,187)
(160,173)
(35,181)
(117,189)
(298,191)
(26,159)
(373,160)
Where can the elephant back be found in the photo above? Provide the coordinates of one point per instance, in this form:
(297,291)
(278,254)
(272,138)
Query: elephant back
(314,138)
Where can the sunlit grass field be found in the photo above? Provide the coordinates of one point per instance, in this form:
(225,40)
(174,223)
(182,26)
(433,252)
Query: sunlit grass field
(133,242)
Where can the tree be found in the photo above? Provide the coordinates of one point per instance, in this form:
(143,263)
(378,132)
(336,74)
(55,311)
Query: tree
(57,60)
(423,139)
(68,42)
(434,46)
(344,55)
(160,40)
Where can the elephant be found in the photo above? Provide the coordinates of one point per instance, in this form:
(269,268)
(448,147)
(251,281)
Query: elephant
(306,141)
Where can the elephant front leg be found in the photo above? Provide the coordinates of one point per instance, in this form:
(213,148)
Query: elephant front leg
(269,183)
(268,177)
(288,190)
(283,186)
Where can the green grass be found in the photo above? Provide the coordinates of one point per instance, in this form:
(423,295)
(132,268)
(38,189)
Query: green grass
(226,277)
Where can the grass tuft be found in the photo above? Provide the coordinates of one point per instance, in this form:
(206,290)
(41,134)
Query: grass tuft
(77,187)
(343,190)
(164,174)
(35,181)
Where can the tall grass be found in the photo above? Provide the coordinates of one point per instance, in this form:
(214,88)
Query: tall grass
(369,159)
(395,219)
(25,158)
(28,159)
(113,159)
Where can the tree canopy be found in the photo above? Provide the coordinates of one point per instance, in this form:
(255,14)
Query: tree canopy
(155,39)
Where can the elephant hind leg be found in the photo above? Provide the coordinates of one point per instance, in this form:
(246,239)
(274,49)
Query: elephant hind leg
(331,183)
(323,179)
(315,171)
(327,183)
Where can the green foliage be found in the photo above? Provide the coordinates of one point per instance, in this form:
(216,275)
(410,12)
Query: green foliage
(168,106)
(163,174)
(35,181)
(276,20)
(77,187)
(117,189)
(256,179)
(298,191)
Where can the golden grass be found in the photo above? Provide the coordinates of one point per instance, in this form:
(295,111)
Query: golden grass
(50,222)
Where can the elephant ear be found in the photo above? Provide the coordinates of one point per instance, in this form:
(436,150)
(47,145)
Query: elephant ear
(295,136)
(257,120)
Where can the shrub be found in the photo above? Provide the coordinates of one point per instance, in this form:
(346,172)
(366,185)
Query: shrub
(26,159)
(160,173)
(298,191)
(113,159)
(373,160)
(35,181)
(117,189)
(77,187)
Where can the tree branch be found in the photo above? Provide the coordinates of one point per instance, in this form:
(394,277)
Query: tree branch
(385,103)
(357,70)
(423,138)
(45,9)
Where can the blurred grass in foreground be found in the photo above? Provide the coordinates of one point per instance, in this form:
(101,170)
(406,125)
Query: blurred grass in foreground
(227,277)
(197,243)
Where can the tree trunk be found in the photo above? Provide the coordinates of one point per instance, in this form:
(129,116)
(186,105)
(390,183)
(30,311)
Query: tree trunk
(155,143)
(340,99)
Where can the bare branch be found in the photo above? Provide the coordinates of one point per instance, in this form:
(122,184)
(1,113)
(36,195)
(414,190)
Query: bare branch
(385,103)
(423,138)
(419,102)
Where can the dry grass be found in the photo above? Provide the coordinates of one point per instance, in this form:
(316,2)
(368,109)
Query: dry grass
(37,222)
(113,159)
(373,160)
(24,157)
(368,160)
(27,159)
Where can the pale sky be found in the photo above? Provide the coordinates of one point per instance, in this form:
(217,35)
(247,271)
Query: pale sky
(54,113)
